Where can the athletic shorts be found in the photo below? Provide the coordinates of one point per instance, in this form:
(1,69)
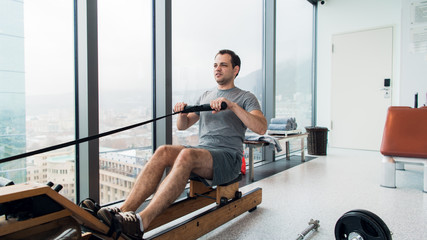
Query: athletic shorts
(226,166)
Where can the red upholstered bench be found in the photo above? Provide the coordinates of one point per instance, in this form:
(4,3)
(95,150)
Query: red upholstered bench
(404,142)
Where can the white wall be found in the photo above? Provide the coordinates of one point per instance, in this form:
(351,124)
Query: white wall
(413,61)
(345,16)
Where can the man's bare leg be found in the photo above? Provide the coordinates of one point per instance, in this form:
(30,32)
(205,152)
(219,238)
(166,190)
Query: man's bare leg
(190,160)
(150,176)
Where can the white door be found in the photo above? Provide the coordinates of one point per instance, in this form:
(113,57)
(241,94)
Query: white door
(361,61)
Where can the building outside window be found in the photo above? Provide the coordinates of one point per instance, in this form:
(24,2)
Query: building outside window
(12,90)
(37,90)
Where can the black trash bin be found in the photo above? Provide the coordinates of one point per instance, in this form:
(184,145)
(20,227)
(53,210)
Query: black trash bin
(317,140)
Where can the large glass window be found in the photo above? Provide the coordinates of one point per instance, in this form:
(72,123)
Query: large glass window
(37,90)
(125,93)
(197,37)
(294,37)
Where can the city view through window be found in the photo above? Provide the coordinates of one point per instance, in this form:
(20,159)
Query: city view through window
(37,91)
(37,75)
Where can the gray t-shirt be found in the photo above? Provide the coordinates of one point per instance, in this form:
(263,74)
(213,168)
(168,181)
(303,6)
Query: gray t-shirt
(224,129)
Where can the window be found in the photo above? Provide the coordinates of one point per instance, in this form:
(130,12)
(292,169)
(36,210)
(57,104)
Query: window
(125,91)
(195,43)
(294,50)
(36,88)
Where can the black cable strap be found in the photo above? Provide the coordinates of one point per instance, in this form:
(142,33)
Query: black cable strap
(78,141)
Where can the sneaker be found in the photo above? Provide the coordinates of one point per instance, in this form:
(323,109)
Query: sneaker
(128,224)
(106,214)
(90,206)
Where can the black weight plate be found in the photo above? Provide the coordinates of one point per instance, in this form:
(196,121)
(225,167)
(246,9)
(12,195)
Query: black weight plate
(365,223)
(378,220)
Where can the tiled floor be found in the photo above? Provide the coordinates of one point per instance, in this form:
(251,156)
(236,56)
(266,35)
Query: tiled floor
(324,189)
(264,170)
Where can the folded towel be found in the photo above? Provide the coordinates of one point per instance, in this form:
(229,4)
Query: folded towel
(281,127)
(281,120)
(273,142)
(283,124)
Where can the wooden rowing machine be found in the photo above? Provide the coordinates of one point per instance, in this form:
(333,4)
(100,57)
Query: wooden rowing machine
(227,203)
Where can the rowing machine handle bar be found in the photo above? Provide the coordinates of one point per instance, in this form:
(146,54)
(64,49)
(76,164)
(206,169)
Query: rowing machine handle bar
(201,108)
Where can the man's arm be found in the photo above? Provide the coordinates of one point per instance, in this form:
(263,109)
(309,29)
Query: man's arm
(185,120)
(254,120)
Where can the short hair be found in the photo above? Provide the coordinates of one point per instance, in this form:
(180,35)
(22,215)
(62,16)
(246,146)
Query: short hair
(235,59)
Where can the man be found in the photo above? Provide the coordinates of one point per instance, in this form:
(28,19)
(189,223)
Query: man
(217,158)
